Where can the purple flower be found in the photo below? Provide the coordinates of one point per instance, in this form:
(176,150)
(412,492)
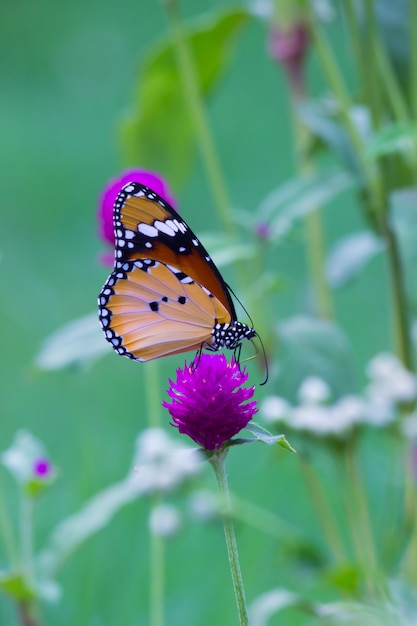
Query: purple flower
(262,230)
(41,468)
(109,195)
(289,47)
(209,402)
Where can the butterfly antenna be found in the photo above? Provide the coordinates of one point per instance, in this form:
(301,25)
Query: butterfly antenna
(235,296)
(265,359)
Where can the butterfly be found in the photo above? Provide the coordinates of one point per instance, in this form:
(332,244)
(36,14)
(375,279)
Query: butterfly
(165,295)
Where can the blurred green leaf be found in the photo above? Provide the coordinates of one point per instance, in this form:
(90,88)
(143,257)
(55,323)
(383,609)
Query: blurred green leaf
(403,220)
(77,528)
(78,343)
(307,195)
(223,251)
(394,27)
(262,434)
(322,118)
(395,137)
(15,585)
(157,132)
(313,347)
(350,255)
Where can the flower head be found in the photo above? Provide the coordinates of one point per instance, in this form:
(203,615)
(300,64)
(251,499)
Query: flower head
(42,468)
(109,195)
(209,401)
(289,46)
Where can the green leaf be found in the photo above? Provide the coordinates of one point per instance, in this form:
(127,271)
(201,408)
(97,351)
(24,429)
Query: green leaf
(157,132)
(323,119)
(403,220)
(223,251)
(350,255)
(78,343)
(292,201)
(15,585)
(312,347)
(261,434)
(395,137)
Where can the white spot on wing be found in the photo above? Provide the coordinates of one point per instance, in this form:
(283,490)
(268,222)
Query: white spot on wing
(148,230)
(164,228)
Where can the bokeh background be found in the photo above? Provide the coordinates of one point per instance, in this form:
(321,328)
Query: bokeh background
(68,72)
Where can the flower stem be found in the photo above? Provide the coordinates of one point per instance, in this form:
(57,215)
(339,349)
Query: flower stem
(156,550)
(314,231)
(26,616)
(152,392)
(198,116)
(217,460)
(157,572)
(324,513)
(26,516)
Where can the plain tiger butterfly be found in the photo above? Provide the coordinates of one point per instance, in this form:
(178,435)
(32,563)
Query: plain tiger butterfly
(165,295)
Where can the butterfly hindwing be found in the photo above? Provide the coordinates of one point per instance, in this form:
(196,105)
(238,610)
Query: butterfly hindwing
(148,309)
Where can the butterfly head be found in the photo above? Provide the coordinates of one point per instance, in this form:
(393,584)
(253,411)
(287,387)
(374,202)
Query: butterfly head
(230,335)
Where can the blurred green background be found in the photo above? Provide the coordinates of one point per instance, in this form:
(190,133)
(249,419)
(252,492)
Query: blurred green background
(67,74)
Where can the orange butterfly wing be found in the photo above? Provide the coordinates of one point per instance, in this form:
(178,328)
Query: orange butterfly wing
(165,295)
(148,313)
(146,227)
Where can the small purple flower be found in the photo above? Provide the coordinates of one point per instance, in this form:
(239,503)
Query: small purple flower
(289,48)
(263,230)
(41,468)
(209,402)
(109,195)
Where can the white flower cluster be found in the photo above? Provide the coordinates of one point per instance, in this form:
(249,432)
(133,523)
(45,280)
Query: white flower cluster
(389,384)
(161,463)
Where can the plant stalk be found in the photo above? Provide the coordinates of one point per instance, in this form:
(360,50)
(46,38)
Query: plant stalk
(217,460)
(198,116)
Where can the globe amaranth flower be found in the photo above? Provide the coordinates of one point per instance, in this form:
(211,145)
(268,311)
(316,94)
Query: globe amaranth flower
(109,195)
(42,468)
(289,46)
(209,400)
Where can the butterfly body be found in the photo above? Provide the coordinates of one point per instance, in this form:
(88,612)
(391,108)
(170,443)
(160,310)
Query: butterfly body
(165,295)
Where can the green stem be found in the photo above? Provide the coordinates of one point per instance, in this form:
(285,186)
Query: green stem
(314,231)
(357,510)
(27,617)
(413,63)
(6,531)
(157,553)
(151,372)
(198,116)
(324,513)
(370,171)
(217,460)
(372,82)
(401,323)
(26,522)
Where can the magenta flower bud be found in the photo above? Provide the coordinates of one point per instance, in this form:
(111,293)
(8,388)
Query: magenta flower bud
(209,400)
(289,47)
(262,230)
(41,468)
(109,195)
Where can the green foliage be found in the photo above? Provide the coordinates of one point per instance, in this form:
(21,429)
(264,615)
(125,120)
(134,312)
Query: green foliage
(326,265)
(157,131)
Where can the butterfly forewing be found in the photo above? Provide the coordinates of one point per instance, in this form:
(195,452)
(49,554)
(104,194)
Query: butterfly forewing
(146,227)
